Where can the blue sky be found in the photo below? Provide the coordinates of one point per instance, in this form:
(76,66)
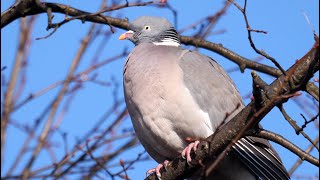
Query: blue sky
(289,38)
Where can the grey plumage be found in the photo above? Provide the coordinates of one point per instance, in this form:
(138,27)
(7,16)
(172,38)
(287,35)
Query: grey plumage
(173,93)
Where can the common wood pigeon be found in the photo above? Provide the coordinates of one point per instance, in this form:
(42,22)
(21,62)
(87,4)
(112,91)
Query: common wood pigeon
(173,94)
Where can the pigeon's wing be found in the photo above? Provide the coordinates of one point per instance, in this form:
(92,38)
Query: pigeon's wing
(211,87)
(216,94)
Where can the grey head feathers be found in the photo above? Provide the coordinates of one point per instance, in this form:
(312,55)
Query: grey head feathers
(151,29)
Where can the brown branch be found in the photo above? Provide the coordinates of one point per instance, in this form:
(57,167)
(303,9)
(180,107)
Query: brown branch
(29,7)
(23,75)
(299,161)
(305,105)
(313,90)
(98,162)
(213,21)
(243,11)
(124,170)
(243,62)
(259,90)
(300,73)
(23,150)
(55,105)
(104,159)
(9,92)
(65,161)
(76,76)
(121,116)
(132,162)
(288,145)
(236,68)
(165,4)
(295,126)
(84,16)
(306,122)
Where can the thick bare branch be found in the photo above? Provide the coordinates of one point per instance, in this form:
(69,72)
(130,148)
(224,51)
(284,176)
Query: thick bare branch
(29,7)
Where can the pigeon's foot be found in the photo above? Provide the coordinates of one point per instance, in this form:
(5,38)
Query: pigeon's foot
(157,169)
(186,152)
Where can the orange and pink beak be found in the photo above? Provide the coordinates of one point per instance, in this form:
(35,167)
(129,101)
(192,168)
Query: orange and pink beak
(126,35)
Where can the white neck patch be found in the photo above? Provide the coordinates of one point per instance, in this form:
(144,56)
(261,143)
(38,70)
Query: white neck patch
(167,42)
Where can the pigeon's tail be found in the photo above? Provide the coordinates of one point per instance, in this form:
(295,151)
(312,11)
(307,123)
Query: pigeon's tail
(259,156)
(251,158)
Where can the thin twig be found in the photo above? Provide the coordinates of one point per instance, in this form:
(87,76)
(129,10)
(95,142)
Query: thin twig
(76,76)
(84,16)
(9,92)
(55,105)
(306,122)
(295,126)
(288,145)
(97,161)
(92,147)
(300,160)
(249,29)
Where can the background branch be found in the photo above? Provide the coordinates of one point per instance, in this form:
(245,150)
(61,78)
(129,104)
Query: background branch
(24,36)
(56,102)
(300,160)
(288,145)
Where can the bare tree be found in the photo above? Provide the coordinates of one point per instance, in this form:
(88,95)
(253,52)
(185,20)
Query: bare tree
(85,159)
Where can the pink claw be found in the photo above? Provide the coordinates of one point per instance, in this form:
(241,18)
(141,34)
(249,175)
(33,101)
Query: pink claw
(157,169)
(186,152)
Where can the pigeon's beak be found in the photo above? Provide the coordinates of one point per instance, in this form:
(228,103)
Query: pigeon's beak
(126,35)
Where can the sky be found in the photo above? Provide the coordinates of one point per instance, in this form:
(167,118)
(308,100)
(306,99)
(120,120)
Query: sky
(289,37)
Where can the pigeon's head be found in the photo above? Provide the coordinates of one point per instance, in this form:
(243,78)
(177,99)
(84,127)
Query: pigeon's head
(150,29)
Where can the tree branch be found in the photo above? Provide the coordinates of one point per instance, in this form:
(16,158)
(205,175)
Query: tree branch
(262,53)
(56,103)
(296,127)
(299,161)
(288,145)
(24,36)
(29,7)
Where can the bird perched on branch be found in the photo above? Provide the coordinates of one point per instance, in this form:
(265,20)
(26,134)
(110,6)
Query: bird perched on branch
(173,94)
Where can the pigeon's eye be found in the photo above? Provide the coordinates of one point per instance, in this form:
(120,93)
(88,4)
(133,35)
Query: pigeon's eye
(147,27)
